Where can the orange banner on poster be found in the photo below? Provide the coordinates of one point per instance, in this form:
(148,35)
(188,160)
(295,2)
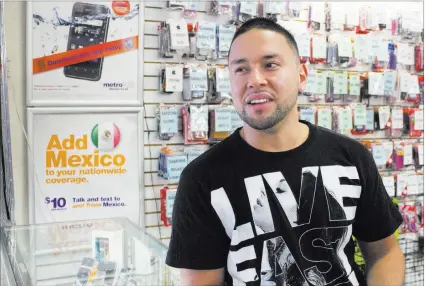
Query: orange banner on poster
(80,55)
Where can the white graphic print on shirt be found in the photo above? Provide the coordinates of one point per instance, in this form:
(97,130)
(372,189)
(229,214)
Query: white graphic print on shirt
(321,259)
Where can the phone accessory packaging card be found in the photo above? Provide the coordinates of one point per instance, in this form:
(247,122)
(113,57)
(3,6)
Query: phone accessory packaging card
(83,53)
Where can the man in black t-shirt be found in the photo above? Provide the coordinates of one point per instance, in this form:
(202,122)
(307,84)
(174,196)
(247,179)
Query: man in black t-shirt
(278,202)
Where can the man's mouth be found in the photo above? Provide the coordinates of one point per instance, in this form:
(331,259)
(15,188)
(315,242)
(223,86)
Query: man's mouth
(259,101)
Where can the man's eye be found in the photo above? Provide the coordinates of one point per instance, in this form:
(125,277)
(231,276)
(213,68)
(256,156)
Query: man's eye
(241,69)
(271,65)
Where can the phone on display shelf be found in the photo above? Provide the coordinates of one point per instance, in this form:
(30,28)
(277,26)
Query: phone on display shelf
(90,27)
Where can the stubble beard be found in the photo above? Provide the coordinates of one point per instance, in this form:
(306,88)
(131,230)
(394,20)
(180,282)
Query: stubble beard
(278,115)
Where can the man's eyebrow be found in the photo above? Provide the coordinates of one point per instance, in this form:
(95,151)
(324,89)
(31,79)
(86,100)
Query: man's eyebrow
(244,60)
(271,56)
(238,61)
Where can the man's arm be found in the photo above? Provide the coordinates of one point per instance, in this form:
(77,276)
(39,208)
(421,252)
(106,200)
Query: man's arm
(384,262)
(189,277)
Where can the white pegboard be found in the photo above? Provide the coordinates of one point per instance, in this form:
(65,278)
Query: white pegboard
(154,14)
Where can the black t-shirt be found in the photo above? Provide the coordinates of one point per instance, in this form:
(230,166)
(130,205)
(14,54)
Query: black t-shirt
(280,218)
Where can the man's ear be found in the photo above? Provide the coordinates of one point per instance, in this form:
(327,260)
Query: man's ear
(303,77)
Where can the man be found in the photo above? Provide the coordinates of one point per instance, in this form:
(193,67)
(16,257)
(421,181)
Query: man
(278,201)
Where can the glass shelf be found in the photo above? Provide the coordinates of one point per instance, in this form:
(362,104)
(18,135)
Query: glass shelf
(53,254)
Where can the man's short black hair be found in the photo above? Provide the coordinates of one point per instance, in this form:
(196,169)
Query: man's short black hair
(266,24)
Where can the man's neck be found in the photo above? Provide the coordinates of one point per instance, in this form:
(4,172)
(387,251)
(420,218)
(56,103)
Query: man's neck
(287,135)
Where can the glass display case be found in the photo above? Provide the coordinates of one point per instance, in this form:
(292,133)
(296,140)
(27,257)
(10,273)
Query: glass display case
(92,252)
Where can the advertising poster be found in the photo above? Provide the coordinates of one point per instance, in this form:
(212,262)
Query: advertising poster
(84,53)
(84,164)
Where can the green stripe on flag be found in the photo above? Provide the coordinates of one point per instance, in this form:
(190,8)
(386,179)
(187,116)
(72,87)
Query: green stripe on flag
(95,135)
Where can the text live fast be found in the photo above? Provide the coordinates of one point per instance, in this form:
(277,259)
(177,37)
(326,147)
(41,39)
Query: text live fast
(75,168)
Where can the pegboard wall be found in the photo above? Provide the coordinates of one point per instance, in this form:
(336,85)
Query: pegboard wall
(404,183)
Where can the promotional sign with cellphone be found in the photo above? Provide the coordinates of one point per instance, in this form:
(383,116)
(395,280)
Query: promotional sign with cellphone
(84,53)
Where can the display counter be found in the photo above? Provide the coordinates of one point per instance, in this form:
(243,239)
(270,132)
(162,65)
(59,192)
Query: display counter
(93,252)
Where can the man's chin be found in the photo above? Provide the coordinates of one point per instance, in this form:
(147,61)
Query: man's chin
(262,124)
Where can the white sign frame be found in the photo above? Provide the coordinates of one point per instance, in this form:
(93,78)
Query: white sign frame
(32,112)
(43,101)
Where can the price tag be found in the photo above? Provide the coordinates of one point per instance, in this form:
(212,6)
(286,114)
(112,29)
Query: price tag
(236,120)
(355,84)
(307,114)
(419,120)
(408,154)
(192,153)
(384,116)
(175,166)
(409,83)
(404,82)
(421,154)
(382,52)
(401,183)
(412,184)
(389,184)
(198,79)
(320,83)
(338,13)
(374,44)
(405,54)
(360,115)
(420,179)
(169,200)
(318,12)
(345,119)
(397,118)
(340,83)
(324,118)
(376,83)
(370,120)
(361,48)
(389,148)
(303,43)
(249,8)
(179,34)
(344,47)
(198,118)
(319,47)
(223,120)
(275,7)
(173,78)
(205,37)
(352,15)
(311,81)
(389,82)
(225,36)
(168,119)
(223,82)
(413,84)
(379,155)
(193,5)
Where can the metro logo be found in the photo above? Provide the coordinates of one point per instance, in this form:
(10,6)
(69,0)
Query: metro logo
(57,154)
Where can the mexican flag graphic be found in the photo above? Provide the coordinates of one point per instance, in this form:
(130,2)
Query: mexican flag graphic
(105,136)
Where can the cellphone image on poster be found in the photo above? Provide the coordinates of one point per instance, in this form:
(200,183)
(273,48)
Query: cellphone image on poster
(90,27)
(102,248)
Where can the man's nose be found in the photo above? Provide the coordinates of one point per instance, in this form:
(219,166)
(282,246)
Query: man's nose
(256,78)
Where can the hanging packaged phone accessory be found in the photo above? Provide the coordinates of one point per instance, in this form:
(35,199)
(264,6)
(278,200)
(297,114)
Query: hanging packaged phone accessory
(168,121)
(220,118)
(167,197)
(171,164)
(195,124)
